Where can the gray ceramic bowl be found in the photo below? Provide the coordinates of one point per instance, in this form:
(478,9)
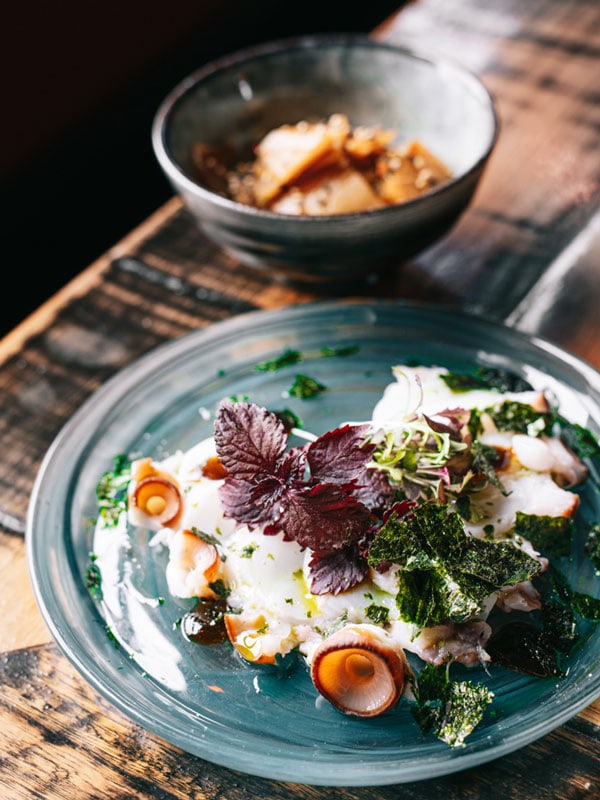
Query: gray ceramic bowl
(236,100)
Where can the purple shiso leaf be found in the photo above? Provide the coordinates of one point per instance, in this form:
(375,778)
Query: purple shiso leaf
(323,517)
(251,503)
(340,456)
(249,439)
(337,571)
(374,490)
(266,485)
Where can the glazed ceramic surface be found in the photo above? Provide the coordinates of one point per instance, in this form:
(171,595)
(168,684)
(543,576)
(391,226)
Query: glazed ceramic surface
(235,101)
(204,699)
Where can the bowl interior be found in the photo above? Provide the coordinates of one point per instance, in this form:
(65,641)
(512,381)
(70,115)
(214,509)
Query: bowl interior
(235,101)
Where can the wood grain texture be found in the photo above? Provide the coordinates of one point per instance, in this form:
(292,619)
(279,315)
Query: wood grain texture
(71,743)
(526,251)
(541,189)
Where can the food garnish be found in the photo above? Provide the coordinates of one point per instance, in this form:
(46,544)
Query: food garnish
(384,554)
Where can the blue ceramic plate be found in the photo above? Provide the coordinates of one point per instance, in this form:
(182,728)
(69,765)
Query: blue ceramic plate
(202,699)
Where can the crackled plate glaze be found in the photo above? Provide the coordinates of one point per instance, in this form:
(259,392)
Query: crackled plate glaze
(204,699)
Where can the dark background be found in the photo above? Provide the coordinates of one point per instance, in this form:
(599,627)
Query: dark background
(80,89)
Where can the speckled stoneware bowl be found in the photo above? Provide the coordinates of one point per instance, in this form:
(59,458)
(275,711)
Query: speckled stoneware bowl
(236,100)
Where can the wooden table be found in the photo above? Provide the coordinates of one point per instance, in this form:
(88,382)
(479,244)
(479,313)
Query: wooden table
(527,251)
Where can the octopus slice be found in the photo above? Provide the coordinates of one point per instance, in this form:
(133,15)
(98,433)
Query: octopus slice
(544,454)
(154,496)
(360,670)
(457,641)
(527,491)
(192,566)
(257,639)
(521,596)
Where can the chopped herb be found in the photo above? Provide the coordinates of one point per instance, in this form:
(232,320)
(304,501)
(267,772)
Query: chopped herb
(263,629)
(93,578)
(220,589)
(111,491)
(290,357)
(112,636)
(328,352)
(305,387)
(206,537)
(284,360)
(289,418)
(378,614)
(520,418)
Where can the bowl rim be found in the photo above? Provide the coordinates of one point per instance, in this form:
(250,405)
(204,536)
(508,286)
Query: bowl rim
(241,56)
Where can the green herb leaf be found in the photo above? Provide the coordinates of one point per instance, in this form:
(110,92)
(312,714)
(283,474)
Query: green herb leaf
(111,491)
(220,589)
(93,579)
(378,614)
(284,360)
(289,418)
(304,387)
(520,418)
(209,538)
(328,352)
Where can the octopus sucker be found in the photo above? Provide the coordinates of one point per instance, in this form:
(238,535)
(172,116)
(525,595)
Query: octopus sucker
(359,670)
(255,640)
(193,565)
(154,497)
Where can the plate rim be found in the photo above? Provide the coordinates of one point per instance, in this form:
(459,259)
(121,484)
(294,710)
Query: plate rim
(178,347)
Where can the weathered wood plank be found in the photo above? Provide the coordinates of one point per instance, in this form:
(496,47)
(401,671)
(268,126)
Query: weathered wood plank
(542,185)
(70,743)
(528,250)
